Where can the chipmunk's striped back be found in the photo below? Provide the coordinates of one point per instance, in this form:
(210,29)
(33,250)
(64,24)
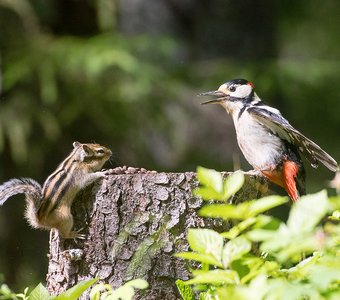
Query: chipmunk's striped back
(58,183)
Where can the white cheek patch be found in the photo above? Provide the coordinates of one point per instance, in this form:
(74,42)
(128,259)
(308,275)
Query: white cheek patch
(223,88)
(241,91)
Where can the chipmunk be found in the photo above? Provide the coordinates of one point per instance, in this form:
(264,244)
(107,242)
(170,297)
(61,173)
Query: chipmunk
(50,206)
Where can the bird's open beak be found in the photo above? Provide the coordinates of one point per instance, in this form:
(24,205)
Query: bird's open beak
(219,97)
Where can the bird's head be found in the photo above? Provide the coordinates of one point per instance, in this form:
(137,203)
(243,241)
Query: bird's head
(236,90)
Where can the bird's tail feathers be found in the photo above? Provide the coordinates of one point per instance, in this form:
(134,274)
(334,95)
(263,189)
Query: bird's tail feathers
(314,153)
(327,160)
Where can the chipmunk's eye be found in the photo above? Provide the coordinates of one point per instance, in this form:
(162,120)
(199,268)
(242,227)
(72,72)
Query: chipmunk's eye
(100,151)
(232,89)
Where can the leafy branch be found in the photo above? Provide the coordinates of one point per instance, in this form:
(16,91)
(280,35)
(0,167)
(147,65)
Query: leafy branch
(99,291)
(262,257)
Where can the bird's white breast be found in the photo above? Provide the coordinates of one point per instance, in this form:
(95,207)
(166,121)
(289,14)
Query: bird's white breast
(261,148)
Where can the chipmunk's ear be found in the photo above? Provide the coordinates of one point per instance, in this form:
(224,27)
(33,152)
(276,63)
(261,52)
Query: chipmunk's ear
(86,151)
(76,144)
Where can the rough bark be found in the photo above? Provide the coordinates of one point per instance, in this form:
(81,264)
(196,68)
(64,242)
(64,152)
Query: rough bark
(134,223)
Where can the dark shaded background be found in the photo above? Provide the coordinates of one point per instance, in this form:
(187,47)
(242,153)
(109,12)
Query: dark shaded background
(126,73)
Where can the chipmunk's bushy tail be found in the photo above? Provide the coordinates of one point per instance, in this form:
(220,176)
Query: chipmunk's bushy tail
(27,186)
(32,191)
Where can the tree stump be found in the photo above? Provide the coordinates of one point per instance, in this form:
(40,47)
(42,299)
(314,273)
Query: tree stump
(134,223)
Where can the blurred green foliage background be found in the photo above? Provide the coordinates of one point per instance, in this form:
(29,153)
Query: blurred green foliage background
(125,73)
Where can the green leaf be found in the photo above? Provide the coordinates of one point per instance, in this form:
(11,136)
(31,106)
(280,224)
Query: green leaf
(322,276)
(267,222)
(235,249)
(206,241)
(308,212)
(207,193)
(205,296)
(99,289)
(124,292)
(294,248)
(5,291)
(261,205)
(127,291)
(302,269)
(237,229)
(138,283)
(258,235)
(214,187)
(203,258)
(259,266)
(184,290)
(257,288)
(297,238)
(210,178)
(232,184)
(335,215)
(273,240)
(242,211)
(260,221)
(214,277)
(281,289)
(335,202)
(75,291)
(40,293)
(224,211)
(247,267)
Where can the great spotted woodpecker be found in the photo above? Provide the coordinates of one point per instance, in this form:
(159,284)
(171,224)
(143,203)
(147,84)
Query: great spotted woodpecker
(267,140)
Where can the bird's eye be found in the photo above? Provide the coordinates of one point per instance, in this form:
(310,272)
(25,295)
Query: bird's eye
(232,89)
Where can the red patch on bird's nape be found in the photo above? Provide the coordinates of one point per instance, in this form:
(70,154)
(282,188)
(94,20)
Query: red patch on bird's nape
(290,170)
(251,84)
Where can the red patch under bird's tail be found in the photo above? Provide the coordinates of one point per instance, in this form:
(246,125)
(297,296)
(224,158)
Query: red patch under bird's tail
(290,172)
(288,178)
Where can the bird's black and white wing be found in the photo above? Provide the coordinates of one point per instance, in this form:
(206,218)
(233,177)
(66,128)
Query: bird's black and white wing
(272,119)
